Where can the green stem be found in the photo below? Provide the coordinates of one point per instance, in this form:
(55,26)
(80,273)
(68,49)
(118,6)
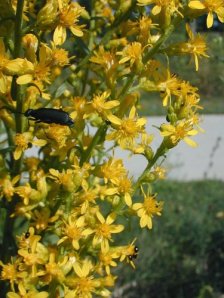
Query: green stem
(18,28)
(168,31)
(8,243)
(160,152)
(16,89)
(100,134)
(68,203)
(126,87)
(10,142)
(17,54)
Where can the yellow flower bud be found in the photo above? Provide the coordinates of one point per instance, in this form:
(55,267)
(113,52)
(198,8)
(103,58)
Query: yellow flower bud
(47,15)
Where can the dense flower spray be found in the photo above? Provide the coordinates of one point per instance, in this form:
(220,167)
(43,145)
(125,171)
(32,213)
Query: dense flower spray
(64,206)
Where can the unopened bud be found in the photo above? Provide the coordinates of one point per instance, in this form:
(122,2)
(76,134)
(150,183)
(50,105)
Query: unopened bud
(48,14)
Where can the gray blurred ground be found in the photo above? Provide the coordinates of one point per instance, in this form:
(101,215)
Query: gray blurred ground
(184,162)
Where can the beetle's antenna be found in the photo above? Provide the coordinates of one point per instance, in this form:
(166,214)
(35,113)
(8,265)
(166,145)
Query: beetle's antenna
(12,110)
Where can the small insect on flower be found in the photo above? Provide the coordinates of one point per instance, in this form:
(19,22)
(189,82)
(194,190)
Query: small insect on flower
(27,235)
(49,115)
(135,254)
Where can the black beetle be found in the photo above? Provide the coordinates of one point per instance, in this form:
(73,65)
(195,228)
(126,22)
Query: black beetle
(49,115)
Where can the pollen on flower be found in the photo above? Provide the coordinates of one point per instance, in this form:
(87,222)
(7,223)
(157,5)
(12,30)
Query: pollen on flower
(152,206)
(68,16)
(147,210)
(60,57)
(132,53)
(113,170)
(21,141)
(127,130)
(58,133)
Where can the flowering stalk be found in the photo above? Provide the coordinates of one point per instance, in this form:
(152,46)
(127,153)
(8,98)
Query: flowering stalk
(143,178)
(72,194)
(17,89)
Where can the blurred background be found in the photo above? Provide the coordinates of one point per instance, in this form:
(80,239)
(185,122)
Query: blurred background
(183,255)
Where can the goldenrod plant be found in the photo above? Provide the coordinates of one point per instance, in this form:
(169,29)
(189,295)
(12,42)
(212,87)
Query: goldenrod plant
(66,198)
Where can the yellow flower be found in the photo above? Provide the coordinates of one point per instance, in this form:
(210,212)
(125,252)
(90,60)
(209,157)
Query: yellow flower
(196,46)
(24,210)
(159,172)
(11,272)
(108,61)
(127,252)
(104,229)
(74,231)
(168,84)
(171,5)
(105,58)
(28,193)
(22,141)
(53,270)
(86,197)
(30,44)
(28,294)
(124,188)
(188,94)
(57,56)
(143,27)
(66,178)
(178,132)
(11,67)
(39,74)
(68,18)
(43,65)
(42,219)
(83,283)
(147,210)
(77,109)
(132,53)
(59,134)
(127,130)
(112,170)
(103,107)
(7,188)
(106,258)
(210,6)
(27,239)
(34,256)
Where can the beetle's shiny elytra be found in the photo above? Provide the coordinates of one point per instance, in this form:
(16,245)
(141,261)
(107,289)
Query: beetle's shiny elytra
(49,115)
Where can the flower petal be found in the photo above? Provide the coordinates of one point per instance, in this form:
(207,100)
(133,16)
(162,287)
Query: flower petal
(209,20)
(113,119)
(190,142)
(25,79)
(59,36)
(196,5)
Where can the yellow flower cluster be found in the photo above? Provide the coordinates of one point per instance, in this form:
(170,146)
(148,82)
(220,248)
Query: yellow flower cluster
(64,193)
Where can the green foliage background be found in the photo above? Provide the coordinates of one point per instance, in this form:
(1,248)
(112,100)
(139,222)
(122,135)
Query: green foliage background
(209,78)
(183,255)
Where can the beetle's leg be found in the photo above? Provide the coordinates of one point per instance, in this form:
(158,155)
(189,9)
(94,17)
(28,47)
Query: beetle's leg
(44,121)
(30,118)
